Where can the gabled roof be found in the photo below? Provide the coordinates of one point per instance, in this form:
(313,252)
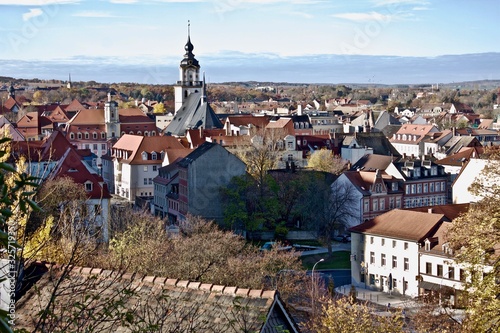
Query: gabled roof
(71,165)
(451,211)
(196,112)
(246,120)
(402,224)
(74,106)
(372,162)
(461,157)
(363,180)
(195,154)
(177,305)
(378,142)
(280,123)
(88,117)
(136,145)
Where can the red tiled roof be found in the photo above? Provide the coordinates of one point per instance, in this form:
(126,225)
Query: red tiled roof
(74,106)
(88,117)
(451,211)
(280,123)
(72,166)
(136,144)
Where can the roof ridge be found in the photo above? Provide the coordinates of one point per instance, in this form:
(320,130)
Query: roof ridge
(164,281)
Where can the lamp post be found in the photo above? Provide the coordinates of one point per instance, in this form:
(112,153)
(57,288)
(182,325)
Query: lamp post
(314,284)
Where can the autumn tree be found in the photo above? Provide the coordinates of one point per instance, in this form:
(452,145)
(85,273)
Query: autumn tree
(159,108)
(346,315)
(327,207)
(475,236)
(324,160)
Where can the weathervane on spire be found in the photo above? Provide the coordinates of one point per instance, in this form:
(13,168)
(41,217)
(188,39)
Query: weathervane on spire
(189,28)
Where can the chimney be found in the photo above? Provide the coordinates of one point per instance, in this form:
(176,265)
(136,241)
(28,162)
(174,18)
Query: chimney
(429,210)
(299,109)
(201,132)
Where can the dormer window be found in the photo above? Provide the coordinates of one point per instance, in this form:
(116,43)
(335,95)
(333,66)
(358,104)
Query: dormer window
(103,135)
(86,135)
(394,186)
(72,136)
(79,135)
(153,156)
(95,135)
(427,245)
(88,186)
(144,156)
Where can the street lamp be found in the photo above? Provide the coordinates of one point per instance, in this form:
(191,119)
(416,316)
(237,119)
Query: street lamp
(314,284)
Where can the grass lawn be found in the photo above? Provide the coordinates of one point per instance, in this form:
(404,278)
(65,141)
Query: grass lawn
(339,259)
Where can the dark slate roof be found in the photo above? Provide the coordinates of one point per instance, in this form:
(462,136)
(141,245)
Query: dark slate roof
(372,162)
(202,149)
(100,296)
(378,142)
(194,113)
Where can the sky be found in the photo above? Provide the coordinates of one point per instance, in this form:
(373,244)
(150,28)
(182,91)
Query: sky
(155,31)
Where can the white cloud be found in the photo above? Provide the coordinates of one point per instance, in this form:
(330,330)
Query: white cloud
(34,12)
(92,13)
(37,2)
(362,17)
(399,2)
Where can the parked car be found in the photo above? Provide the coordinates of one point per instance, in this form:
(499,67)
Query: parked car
(269,245)
(342,238)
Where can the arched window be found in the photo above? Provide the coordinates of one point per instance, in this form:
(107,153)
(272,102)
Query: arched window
(94,135)
(103,135)
(86,135)
(122,133)
(79,135)
(144,155)
(139,133)
(72,136)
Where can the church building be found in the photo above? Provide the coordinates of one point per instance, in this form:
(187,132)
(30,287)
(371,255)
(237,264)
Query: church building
(192,111)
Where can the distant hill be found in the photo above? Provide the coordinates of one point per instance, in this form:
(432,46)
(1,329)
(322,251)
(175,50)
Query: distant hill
(479,70)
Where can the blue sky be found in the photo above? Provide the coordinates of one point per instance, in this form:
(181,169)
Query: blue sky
(154,31)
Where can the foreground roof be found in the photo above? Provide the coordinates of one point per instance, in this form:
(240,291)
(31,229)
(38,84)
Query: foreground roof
(174,305)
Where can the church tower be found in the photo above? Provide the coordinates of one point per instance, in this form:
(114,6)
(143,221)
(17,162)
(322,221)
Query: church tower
(189,75)
(111,118)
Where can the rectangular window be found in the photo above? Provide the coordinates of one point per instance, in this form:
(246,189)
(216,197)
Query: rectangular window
(451,273)
(431,187)
(438,187)
(406,246)
(95,146)
(440,270)
(145,168)
(150,181)
(382,259)
(103,146)
(382,241)
(406,264)
(371,240)
(372,279)
(155,167)
(394,286)
(145,181)
(398,202)
(372,257)
(413,189)
(394,262)
(407,189)
(443,188)
(419,188)
(382,204)
(391,203)
(428,268)
(426,188)
(366,205)
(375,205)
(393,243)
